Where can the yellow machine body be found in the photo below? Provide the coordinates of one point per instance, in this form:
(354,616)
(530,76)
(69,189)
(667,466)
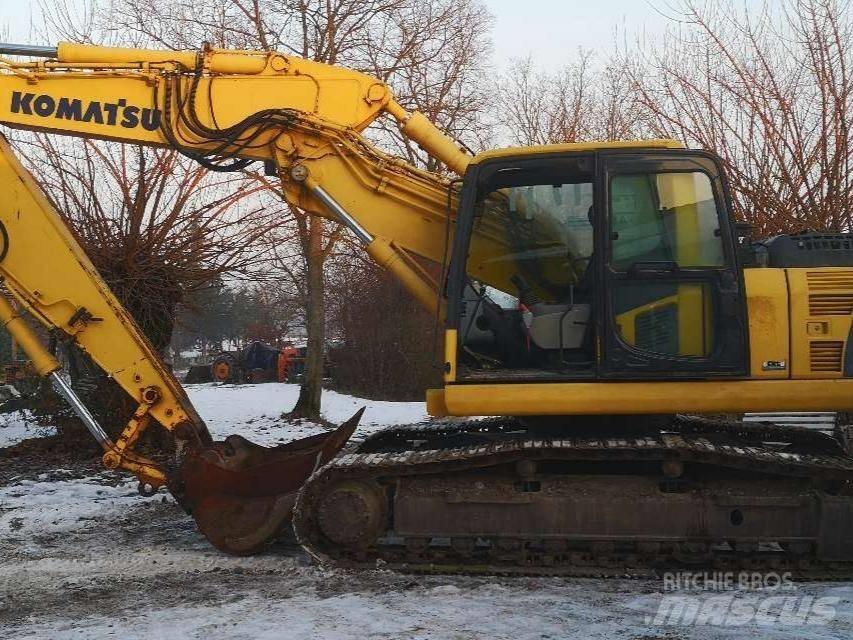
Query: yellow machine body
(800,318)
(306,120)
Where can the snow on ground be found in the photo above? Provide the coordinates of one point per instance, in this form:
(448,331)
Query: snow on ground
(254,411)
(53,505)
(83,556)
(18,426)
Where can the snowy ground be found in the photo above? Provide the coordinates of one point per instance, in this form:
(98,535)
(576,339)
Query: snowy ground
(254,411)
(83,556)
(17,427)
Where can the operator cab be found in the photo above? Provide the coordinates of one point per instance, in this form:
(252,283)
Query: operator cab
(592,264)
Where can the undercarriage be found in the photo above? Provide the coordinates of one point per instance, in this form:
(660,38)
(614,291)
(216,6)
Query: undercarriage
(500,496)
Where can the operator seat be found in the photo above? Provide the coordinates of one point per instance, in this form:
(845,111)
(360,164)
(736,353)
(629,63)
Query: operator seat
(567,325)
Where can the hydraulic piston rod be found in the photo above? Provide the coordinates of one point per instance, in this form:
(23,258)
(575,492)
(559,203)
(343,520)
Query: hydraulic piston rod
(34,51)
(65,390)
(381,250)
(47,365)
(346,219)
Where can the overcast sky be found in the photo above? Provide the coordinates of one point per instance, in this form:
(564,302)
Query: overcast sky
(549,30)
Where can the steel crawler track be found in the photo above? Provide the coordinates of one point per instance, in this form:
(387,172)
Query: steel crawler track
(378,504)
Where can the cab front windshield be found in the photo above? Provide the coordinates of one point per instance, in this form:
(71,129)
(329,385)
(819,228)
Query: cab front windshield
(546,238)
(528,300)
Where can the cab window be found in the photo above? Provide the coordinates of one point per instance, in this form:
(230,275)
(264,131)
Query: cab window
(660,218)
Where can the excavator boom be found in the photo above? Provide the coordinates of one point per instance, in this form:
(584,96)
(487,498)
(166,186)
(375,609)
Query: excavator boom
(227,109)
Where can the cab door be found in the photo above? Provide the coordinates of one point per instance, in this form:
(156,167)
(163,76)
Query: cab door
(673,302)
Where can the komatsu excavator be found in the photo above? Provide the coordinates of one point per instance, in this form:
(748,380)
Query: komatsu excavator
(598,295)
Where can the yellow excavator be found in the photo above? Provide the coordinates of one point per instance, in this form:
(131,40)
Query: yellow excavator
(600,296)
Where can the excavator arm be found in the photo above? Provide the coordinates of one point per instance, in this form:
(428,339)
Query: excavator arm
(49,275)
(225,109)
(239,493)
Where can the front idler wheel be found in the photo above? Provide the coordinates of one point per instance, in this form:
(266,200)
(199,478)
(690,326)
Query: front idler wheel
(352,513)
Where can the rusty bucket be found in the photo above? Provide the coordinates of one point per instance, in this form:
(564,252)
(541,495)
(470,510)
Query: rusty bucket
(241,494)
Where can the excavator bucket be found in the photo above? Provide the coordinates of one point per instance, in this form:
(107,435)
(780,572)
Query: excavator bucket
(241,494)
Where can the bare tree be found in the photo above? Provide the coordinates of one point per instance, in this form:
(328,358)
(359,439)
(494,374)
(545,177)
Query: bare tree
(154,224)
(770,92)
(383,347)
(582,101)
(434,56)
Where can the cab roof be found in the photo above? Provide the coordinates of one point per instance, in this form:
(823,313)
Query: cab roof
(575,147)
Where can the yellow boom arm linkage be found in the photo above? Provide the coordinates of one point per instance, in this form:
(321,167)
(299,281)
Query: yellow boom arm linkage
(47,272)
(304,119)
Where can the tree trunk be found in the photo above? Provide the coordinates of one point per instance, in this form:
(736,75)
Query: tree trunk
(310,394)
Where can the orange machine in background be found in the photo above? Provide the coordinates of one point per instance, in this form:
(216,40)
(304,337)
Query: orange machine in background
(288,358)
(257,362)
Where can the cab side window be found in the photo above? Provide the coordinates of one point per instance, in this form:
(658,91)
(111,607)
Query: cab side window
(664,218)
